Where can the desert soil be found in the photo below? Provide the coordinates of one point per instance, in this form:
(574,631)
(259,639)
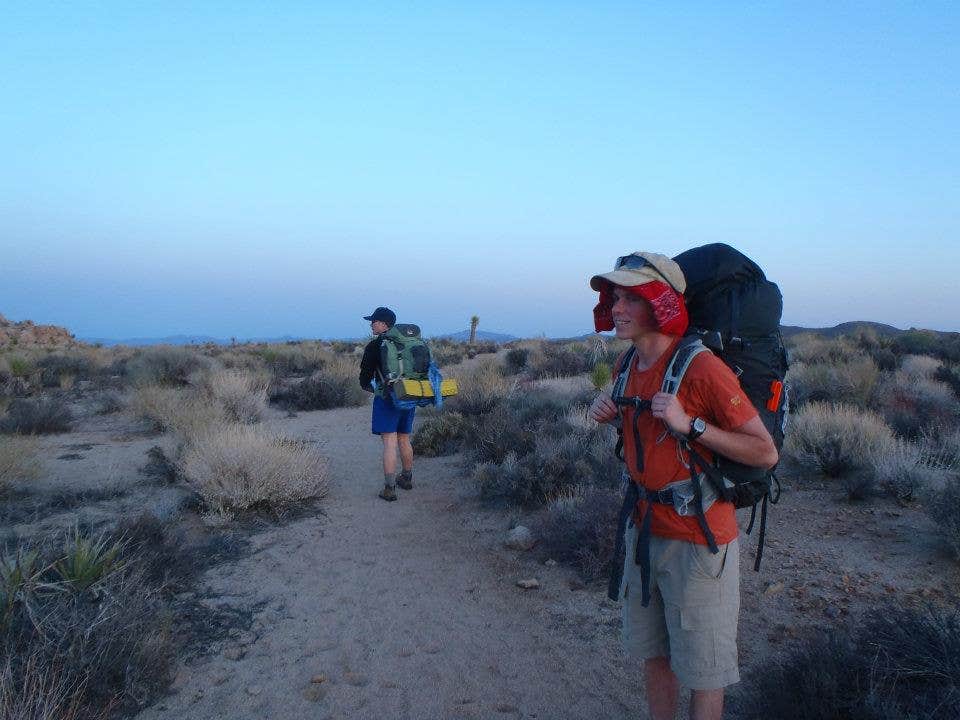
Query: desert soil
(411,610)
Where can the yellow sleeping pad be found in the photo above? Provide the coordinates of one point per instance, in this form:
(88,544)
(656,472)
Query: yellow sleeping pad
(416,389)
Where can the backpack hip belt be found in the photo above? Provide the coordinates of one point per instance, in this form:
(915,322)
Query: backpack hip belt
(681,495)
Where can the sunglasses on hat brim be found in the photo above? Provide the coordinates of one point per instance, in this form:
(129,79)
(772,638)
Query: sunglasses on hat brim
(638,262)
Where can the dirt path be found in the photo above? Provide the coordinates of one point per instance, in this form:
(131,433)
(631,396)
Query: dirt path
(407,610)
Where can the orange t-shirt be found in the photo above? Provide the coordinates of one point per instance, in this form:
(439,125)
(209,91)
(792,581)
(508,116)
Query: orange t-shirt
(709,390)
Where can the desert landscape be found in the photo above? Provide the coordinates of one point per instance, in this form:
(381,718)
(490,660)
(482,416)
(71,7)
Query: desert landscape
(193,532)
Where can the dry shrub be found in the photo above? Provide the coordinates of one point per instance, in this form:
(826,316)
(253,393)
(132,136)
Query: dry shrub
(851,382)
(37,691)
(919,366)
(480,390)
(913,404)
(941,502)
(166,365)
(814,349)
(242,394)
(907,467)
(562,359)
(838,440)
(295,359)
(439,433)
(36,416)
(18,459)
(896,663)
(240,468)
(579,528)
(337,385)
(447,352)
(183,411)
(516,360)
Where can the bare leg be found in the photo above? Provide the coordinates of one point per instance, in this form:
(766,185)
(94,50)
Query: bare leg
(663,688)
(706,704)
(389,453)
(406,451)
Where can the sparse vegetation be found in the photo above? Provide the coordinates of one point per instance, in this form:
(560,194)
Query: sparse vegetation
(439,434)
(38,416)
(242,394)
(245,468)
(166,365)
(18,459)
(578,528)
(898,663)
(182,411)
(334,386)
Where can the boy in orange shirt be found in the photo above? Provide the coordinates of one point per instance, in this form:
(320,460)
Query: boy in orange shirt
(680,600)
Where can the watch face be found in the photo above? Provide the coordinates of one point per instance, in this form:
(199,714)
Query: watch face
(699,425)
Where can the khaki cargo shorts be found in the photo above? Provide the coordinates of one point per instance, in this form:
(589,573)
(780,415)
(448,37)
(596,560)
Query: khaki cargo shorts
(693,611)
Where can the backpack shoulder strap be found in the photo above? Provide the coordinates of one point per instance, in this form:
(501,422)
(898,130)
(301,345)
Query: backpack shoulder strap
(623,372)
(683,356)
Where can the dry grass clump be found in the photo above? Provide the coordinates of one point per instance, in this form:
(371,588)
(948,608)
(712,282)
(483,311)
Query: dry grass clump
(241,468)
(447,352)
(919,366)
(439,433)
(912,404)
(18,459)
(850,382)
(302,358)
(242,394)
(516,360)
(838,440)
(813,349)
(941,502)
(562,359)
(182,411)
(896,663)
(579,528)
(166,365)
(37,416)
(337,385)
(481,390)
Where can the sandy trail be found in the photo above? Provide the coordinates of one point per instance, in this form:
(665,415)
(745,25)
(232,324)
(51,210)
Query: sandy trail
(408,610)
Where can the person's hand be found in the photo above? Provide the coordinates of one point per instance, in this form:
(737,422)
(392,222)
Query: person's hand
(666,407)
(603,409)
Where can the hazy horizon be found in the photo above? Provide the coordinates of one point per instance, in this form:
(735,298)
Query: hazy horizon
(253,171)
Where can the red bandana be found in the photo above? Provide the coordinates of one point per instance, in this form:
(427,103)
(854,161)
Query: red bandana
(669,309)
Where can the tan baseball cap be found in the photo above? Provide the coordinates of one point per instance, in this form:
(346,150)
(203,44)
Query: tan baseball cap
(639,268)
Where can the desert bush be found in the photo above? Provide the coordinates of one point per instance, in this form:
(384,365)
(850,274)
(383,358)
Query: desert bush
(813,349)
(562,359)
(85,646)
(241,468)
(57,366)
(907,467)
(515,361)
(110,402)
(950,376)
(243,395)
(18,460)
(494,435)
(897,663)
(480,390)
(912,404)
(483,347)
(165,365)
(297,359)
(183,411)
(919,366)
(447,352)
(439,434)
(850,382)
(579,528)
(558,463)
(20,367)
(345,347)
(839,441)
(36,416)
(941,501)
(334,386)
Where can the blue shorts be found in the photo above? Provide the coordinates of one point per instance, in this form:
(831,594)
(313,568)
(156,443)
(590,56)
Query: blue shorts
(389,419)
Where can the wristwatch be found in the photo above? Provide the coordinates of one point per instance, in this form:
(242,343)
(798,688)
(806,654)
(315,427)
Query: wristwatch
(698,426)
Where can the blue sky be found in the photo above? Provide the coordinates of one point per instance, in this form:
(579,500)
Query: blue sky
(258,169)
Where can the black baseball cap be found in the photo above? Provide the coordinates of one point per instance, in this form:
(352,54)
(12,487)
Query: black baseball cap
(383,314)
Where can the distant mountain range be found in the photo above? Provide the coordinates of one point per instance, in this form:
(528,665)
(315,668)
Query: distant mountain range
(484,335)
(462,336)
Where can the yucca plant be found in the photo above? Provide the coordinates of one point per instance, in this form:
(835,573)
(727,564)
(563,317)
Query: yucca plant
(21,576)
(600,375)
(87,560)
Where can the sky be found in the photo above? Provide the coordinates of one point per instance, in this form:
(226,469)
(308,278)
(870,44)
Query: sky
(263,169)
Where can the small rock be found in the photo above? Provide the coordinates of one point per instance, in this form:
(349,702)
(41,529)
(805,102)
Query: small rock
(317,679)
(406,652)
(314,692)
(246,638)
(254,690)
(577,585)
(355,679)
(831,612)
(390,684)
(520,538)
(234,652)
(551,563)
(506,708)
(773,588)
(529,584)
(220,678)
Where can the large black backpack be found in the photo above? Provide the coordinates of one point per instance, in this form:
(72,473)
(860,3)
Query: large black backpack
(734,312)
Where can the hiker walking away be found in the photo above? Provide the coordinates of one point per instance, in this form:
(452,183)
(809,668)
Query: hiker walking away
(392,424)
(681,578)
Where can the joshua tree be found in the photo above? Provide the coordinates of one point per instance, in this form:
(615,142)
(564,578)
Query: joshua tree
(474,321)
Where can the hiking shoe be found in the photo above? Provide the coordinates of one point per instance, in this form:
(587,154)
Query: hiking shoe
(388,493)
(405,481)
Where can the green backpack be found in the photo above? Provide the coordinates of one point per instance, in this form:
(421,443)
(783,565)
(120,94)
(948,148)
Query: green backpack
(403,354)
